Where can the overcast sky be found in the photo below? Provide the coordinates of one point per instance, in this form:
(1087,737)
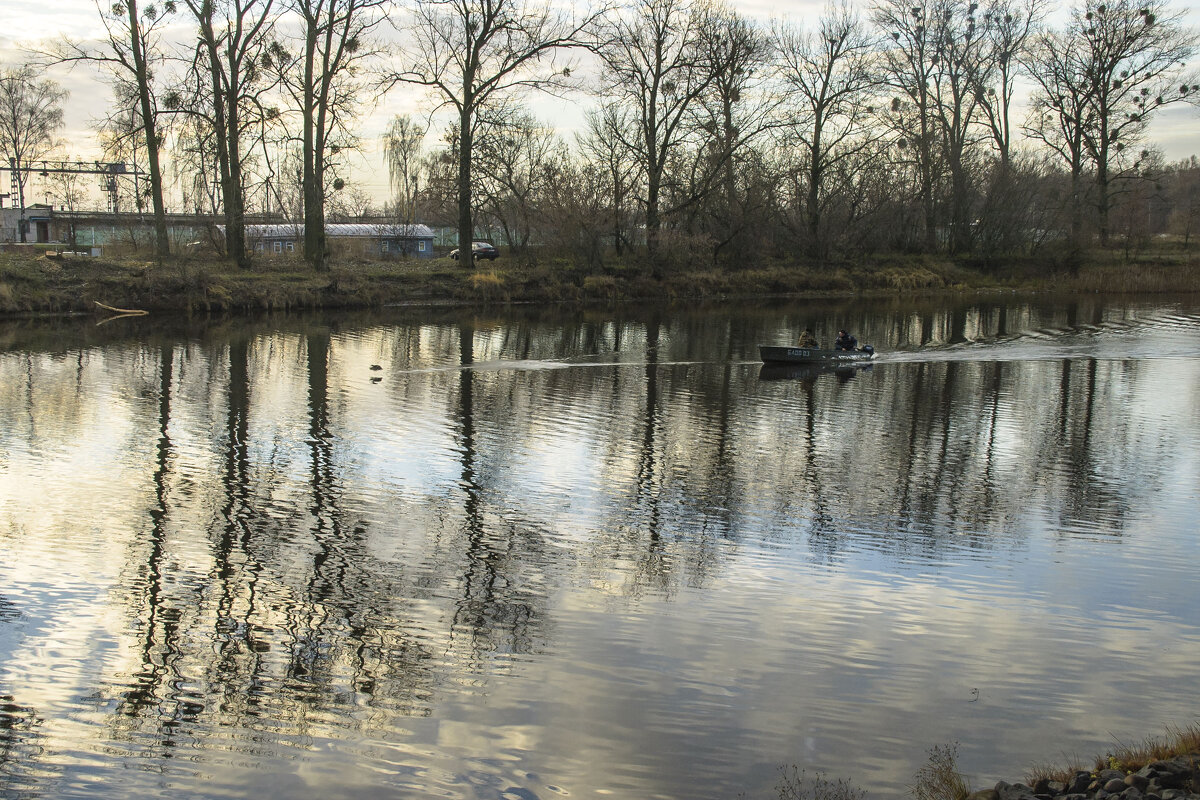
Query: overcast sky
(25,22)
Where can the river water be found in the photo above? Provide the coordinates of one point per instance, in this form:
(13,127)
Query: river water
(442,553)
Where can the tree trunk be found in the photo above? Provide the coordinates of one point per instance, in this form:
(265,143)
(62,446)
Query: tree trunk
(654,174)
(22,223)
(813,211)
(236,209)
(618,198)
(733,208)
(961,218)
(466,228)
(653,222)
(1076,209)
(235,231)
(314,200)
(1102,199)
(162,247)
(927,199)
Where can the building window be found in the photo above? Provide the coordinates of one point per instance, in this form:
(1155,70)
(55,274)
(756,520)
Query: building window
(421,246)
(258,246)
(385,245)
(291,246)
(277,247)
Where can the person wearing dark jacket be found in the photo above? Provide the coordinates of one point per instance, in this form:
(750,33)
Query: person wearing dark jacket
(845,341)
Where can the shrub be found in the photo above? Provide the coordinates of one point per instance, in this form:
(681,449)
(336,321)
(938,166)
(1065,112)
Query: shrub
(1054,772)
(1178,741)
(488,285)
(940,779)
(912,278)
(601,286)
(679,252)
(794,784)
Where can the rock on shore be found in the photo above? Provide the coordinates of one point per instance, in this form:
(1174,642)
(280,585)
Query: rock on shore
(1176,779)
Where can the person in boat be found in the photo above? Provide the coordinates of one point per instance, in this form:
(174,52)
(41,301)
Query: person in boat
(808,340)
(845,341)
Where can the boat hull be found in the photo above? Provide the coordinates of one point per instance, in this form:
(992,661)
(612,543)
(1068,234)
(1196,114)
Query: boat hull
(772,354)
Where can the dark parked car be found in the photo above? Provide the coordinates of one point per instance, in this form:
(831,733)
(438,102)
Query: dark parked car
(479,250)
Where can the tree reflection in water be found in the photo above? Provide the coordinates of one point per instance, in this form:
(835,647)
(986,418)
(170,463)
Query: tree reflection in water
(310,559)
(497,610)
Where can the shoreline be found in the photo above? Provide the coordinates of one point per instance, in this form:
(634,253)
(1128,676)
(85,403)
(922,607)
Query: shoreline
(1158,768)
(1165,768)
(36,284)
(1175,778)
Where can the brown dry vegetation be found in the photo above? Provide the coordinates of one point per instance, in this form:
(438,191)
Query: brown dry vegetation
(940,779)
(36,283)
(1177,741)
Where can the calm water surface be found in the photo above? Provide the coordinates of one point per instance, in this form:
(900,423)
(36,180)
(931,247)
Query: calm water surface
(445,554)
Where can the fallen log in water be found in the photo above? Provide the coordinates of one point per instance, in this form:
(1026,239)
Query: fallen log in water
(129,311)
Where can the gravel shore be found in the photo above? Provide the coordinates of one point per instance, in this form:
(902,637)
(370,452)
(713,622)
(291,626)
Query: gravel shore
(1175,779)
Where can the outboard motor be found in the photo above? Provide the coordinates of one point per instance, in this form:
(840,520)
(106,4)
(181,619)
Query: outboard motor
(868,349)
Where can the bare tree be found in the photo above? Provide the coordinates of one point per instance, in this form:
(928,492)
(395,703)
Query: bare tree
(283,175)
(437,194)
(133,54)
(1134,52)
(1008,26)
(471,53)
(1184,192)
(401,151)
(733,114)
(1061,112)
(911,67)
(353,204)
(121,140)
(655,66)
(579,210)
(962,56)
(1099,83)
(229,68)
(614,168)
(1137,209)
(66,190)
(1022,205)
(324,80)
(30,115)
(832,76)
(938,62)
(518,159)
(195,168)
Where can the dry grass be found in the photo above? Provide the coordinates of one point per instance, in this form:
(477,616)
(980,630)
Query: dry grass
(1128,757)
(795,784)
(915,278)
(940,779)
(32,282)
(1160,270)
(1132,757)
(486,280)
(1061,772)
(601,286)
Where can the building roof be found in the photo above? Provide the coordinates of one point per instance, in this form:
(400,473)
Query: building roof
(340,229)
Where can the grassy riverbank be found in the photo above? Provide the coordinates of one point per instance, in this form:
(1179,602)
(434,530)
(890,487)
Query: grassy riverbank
(32,282)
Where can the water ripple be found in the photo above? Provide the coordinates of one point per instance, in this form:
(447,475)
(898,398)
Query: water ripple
(606,558)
